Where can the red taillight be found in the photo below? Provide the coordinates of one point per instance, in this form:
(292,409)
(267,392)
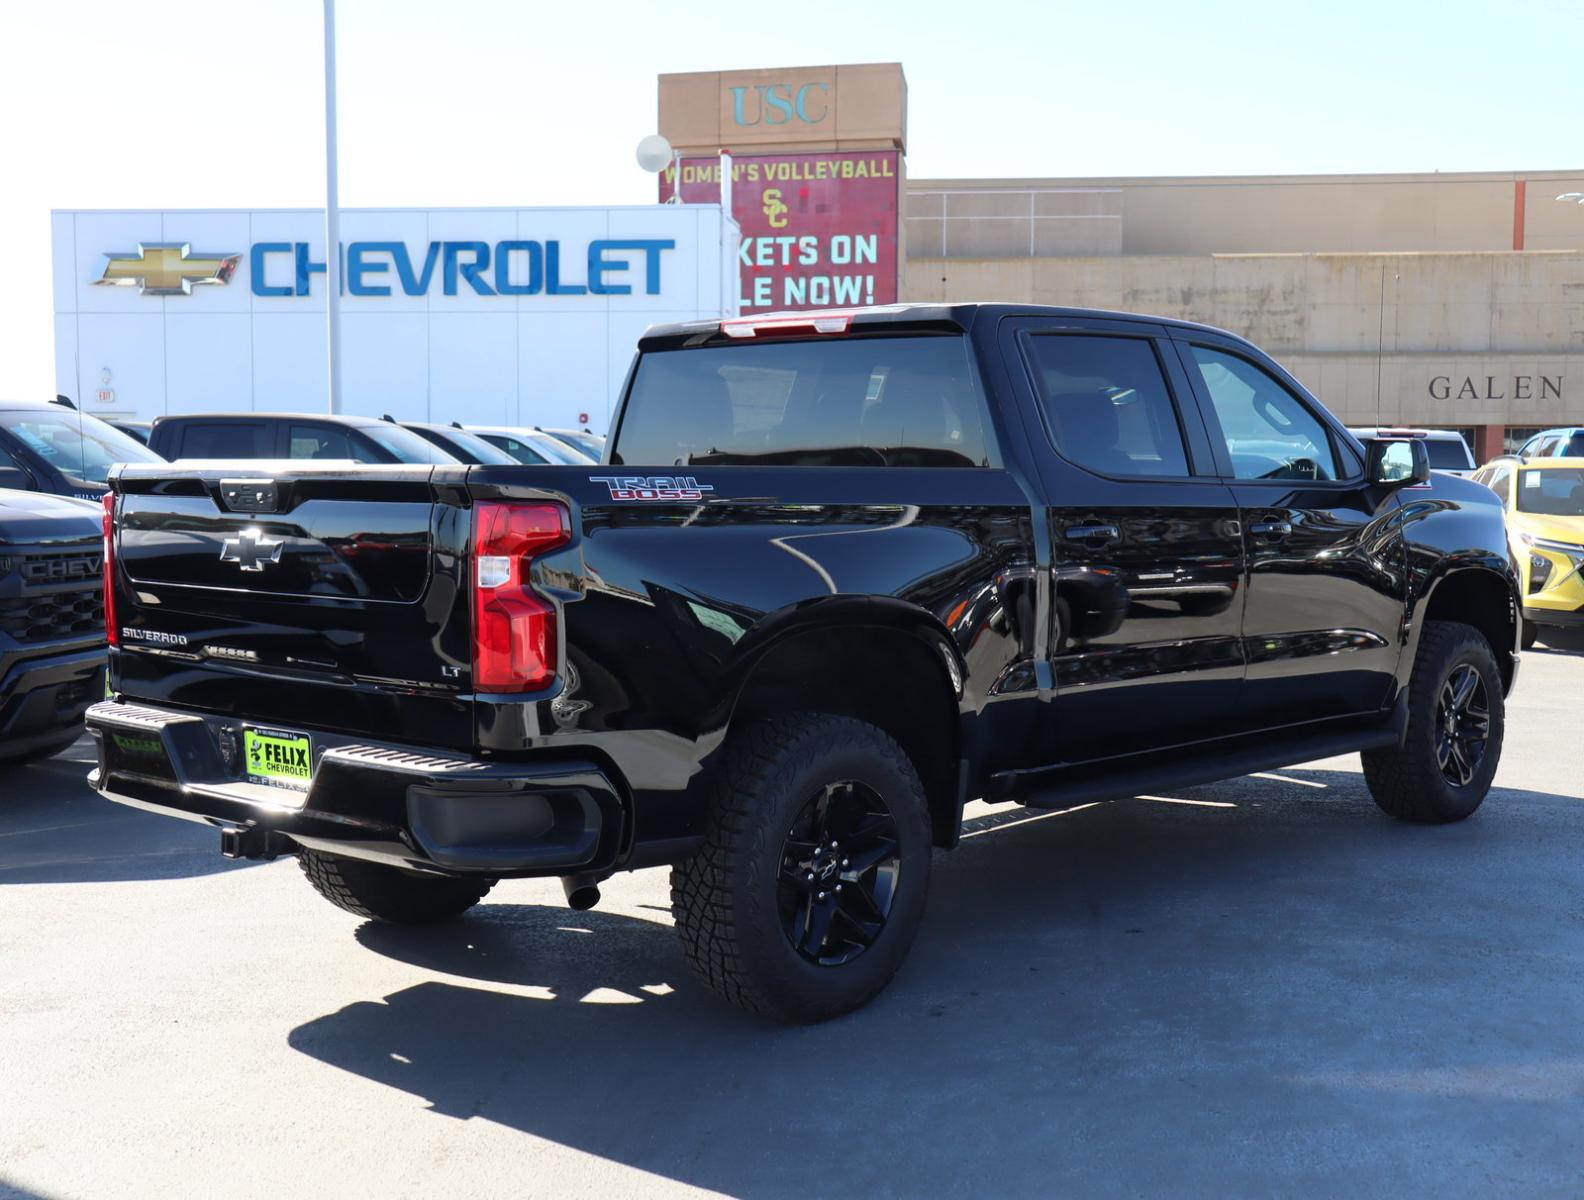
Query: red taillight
(112,629)
(514,628)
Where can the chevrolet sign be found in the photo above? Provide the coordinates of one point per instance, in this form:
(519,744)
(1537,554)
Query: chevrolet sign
(166,269)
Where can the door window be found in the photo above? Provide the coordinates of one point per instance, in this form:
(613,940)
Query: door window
(1500,482)
(1107,405)
(519,450)
(323,441)
(1269,432)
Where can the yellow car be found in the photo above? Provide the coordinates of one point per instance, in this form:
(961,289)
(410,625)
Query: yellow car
(1544,499)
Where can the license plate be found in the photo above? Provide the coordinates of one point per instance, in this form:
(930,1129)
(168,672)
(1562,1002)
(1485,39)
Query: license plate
(278,758)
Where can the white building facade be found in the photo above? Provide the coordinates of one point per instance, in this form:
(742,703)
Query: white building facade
(484,316)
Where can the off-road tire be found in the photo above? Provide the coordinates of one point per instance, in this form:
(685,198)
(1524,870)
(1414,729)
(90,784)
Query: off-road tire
(390,894)
(1406,781)
(724,898)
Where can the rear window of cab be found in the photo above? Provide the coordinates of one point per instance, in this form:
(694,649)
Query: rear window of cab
(862,401)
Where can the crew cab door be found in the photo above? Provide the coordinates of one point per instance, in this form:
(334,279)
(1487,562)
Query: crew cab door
(1326,591)
(1146,551)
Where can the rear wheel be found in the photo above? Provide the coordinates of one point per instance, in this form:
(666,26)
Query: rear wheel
(390,894)
(810,886)
(1448,758)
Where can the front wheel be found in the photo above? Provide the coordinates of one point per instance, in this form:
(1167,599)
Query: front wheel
(390,894)
(1531,634)
(810,886)
(1445,765)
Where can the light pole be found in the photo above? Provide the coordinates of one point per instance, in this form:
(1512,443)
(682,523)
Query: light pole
(332,213)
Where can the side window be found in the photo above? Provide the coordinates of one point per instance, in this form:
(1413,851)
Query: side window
(231,439)
(1107,404)
(1269,432)
(521,451)
(319,441)
(1500,482)
(1546,448)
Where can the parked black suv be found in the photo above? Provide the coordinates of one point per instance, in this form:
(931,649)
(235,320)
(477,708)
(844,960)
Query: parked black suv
(52,639)
(841,573)
(50,447)
(290,435)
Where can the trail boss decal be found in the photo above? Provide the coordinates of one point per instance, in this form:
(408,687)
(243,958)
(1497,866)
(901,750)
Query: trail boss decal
(653,487)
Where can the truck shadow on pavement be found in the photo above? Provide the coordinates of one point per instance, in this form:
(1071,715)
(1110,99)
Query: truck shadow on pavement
(54,828)
(1262,985)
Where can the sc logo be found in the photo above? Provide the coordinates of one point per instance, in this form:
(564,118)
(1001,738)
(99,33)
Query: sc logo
(778,104)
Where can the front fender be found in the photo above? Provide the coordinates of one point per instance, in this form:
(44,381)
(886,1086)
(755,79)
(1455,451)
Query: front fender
(1485,570)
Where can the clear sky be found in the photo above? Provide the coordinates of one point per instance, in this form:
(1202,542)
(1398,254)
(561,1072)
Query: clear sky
(218,103)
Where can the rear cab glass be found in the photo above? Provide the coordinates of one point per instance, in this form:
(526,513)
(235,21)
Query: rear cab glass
(905,401)
(226,439)
(1449,454)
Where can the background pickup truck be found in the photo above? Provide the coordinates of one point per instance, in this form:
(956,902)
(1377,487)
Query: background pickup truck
(839,573)
(52,634)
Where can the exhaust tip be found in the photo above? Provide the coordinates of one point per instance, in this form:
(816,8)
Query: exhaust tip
(582,891)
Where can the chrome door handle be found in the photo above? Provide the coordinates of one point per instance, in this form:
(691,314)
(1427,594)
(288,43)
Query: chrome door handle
(1091,533)
(1271,529)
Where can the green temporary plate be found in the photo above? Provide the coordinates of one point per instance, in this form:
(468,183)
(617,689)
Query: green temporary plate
(282,759)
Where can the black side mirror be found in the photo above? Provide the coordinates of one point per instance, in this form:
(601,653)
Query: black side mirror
(1398,462)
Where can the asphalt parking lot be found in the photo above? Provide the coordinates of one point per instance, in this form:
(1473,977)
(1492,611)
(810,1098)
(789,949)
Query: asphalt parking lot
(1263,987)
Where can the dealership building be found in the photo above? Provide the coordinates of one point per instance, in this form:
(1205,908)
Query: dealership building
(484,316)
(1448,300)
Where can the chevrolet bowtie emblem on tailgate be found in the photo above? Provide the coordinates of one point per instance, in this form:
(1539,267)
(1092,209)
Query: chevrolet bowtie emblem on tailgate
(166,269)
(251,550)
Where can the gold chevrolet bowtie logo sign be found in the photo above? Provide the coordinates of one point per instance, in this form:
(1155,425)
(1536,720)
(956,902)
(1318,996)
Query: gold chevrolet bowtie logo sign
(166,269)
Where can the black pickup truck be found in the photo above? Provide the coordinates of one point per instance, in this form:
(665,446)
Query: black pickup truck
(840,573)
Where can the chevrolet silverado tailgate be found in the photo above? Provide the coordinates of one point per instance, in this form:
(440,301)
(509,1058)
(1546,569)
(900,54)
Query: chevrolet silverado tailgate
(329,596)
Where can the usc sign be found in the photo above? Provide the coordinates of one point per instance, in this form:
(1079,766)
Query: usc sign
(780,103)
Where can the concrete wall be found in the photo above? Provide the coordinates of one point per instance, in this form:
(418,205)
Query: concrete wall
(1509,325)
(1252,214)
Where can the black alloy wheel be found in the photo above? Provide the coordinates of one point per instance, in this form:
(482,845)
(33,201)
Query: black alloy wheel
(801,805)
(1462,725)
(841,865)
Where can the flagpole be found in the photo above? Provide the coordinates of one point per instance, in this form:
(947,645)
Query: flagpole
(332,213)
